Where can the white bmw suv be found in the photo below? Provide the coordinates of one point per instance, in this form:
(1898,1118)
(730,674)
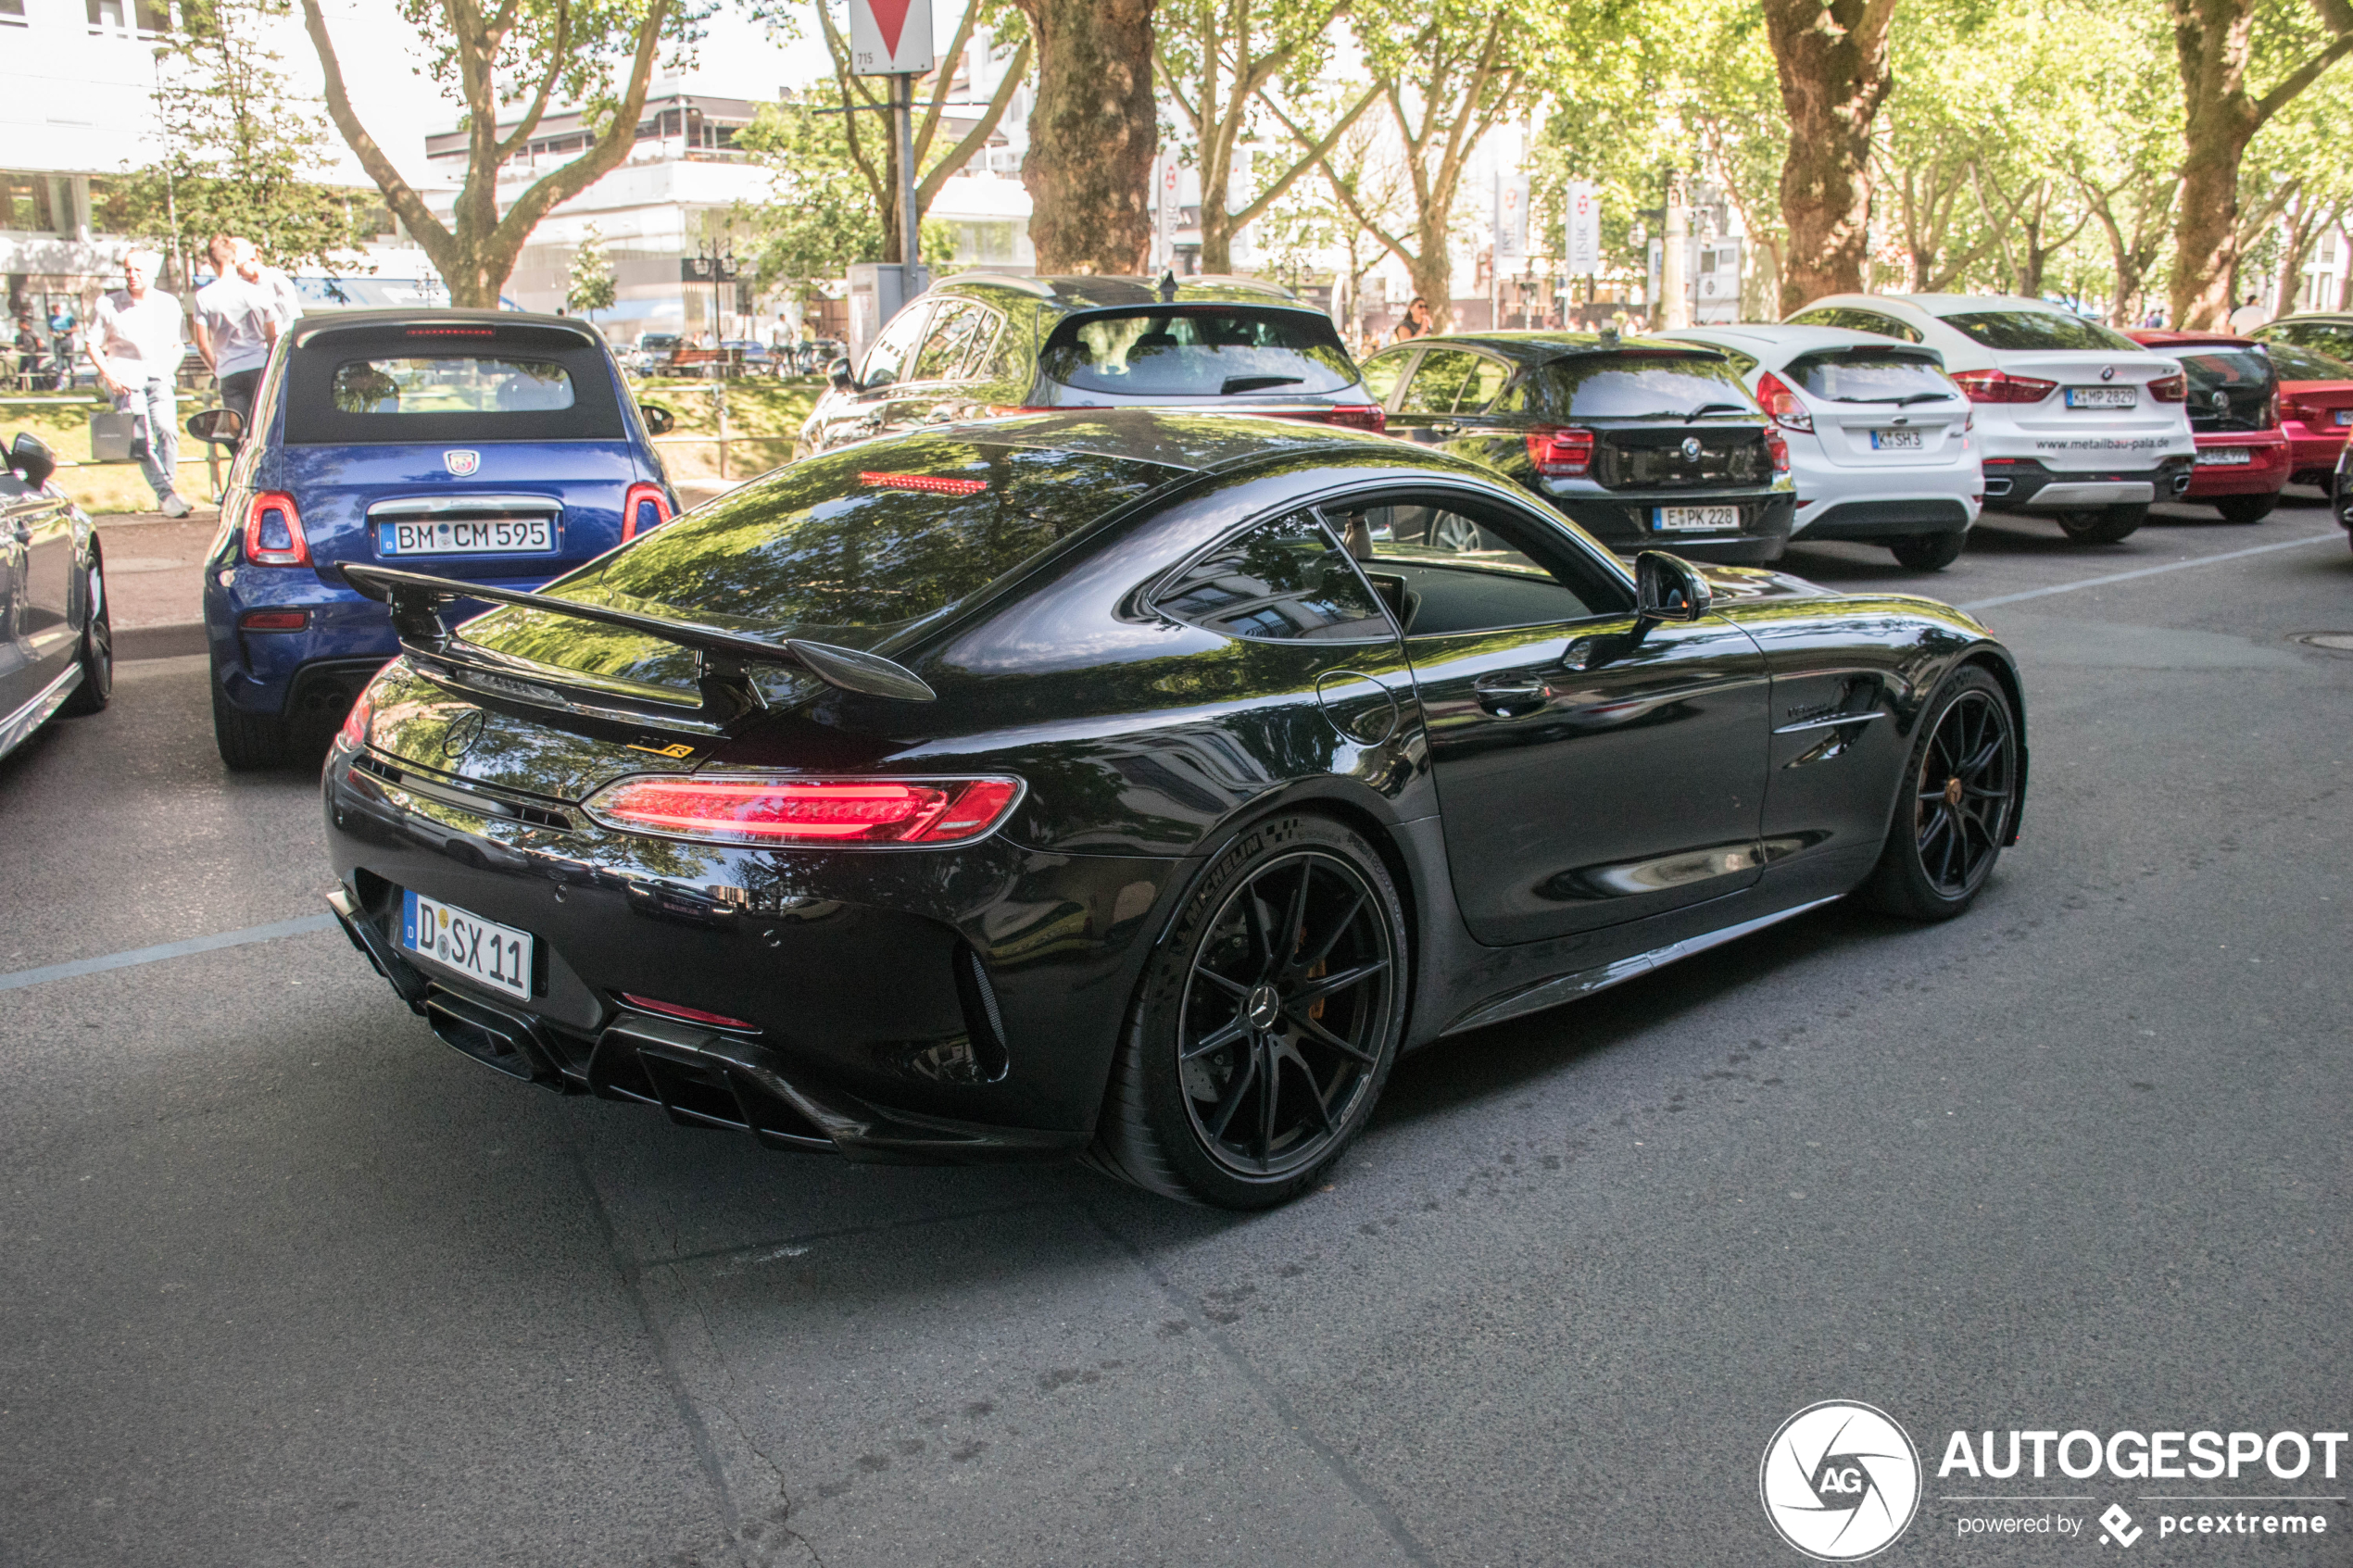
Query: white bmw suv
(1878,438)
(2074,422)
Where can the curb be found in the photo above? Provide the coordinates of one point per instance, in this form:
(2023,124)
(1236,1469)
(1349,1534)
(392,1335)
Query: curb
(171,641)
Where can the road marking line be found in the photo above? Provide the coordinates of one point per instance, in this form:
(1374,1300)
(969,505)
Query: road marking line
(303,926)
(2146,571)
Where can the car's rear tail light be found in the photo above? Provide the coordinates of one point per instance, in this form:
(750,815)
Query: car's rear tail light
(2301,412)
(808,811)
(1996,386)
(692,1015)
(932,483)
(2174,388)
(451,332)
(1779,447)
(644,509)
(273,621)
(1359,415)
(1561,454)
(355,723)
(1775,396)
(273,532)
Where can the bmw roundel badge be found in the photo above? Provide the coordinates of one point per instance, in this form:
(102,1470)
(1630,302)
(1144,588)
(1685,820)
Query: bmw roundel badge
(1691,448)
(2109,374)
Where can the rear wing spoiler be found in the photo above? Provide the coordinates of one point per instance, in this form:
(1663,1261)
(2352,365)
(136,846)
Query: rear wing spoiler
(723,659)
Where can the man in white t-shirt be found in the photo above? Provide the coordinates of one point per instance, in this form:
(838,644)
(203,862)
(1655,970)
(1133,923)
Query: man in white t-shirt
(236,322)
(134,347)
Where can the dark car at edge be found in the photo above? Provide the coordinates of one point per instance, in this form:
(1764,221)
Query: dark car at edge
(1126,784)
(1644,443)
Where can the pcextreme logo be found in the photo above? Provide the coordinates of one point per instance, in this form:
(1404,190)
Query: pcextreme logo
(1840,1481)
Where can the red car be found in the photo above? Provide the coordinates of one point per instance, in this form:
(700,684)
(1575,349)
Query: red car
(2243,455)
(2316,410)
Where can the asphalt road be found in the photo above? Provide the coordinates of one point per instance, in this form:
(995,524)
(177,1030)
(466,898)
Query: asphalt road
(285,1280)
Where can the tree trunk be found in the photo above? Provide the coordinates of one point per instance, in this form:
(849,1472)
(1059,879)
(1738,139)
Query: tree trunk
(2212,42)
(1832,56)
(1092,134)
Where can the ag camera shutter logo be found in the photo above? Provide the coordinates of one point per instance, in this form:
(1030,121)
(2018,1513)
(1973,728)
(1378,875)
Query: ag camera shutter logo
(1840,1481)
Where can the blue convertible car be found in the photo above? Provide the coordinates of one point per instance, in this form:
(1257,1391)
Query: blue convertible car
(489,446)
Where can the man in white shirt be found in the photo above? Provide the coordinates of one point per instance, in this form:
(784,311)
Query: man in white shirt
(237,321)
(134,347)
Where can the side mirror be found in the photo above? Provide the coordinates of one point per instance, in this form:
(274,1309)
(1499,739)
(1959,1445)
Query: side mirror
(222,427)
(658,419)
(1669,588)
(839,374)
(31,456)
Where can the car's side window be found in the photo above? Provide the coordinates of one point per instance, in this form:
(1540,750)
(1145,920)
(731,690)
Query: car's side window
(1383,370)
(1885,326)
(1446,565)
(1486,379)
(984,343)
(947,340)
(1280,581)
(890,353)
(1437,380)
(1819,316)
(1742,364)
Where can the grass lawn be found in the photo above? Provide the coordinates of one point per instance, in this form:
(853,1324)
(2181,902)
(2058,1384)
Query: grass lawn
(764,409)
(63,424)
(763,415)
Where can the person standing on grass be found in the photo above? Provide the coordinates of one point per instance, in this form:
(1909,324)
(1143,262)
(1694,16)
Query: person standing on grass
(237,322)
(134,347)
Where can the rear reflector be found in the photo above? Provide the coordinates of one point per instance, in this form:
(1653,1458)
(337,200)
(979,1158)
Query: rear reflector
(692,1015)
(1779,446)
(1359,415)
(273,621)
(933,484)
(808,811)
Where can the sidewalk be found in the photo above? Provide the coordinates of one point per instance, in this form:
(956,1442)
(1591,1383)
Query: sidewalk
(155,580)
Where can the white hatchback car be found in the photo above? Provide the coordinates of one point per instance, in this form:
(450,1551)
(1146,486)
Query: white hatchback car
(1878,438)
(2074,422)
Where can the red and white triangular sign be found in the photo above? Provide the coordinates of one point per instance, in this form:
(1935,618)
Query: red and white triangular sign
(887,36)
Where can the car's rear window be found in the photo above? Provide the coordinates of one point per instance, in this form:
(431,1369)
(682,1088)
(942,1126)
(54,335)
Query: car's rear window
(2325,338)
(2229,388)
(1199,351)
(2306,364)
(1870,376)
(1639,385)
(458,384)
(849,548)
(2038,329)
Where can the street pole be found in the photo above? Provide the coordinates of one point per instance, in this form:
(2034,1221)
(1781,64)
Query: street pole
(1672,312)
(902,128)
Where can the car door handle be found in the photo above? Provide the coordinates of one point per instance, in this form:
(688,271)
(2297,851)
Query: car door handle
(1496,692)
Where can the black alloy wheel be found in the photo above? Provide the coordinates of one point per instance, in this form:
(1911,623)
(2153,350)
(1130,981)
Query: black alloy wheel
(98,645)
(2246,508)
(1928,552)
(1267,1024)
(2103,525)
(1950,823)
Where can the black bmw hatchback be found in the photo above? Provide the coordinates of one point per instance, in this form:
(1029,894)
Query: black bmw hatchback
(1128,785)
(1645,444)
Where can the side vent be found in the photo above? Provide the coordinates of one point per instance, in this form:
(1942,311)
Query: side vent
(983,1021)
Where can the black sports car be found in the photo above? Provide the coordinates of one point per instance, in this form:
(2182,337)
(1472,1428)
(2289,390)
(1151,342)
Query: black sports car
(1125,783)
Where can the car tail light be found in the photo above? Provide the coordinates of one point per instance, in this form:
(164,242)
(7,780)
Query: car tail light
(931,483)
(2301,412)
(1561,454)
(1779,447)
(273,532)
(644,509)
(1774,395)
(808,811)
(692,1015)
(273,621)
(355,723)
(1359,415)
(1997,386)
(2174,388)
